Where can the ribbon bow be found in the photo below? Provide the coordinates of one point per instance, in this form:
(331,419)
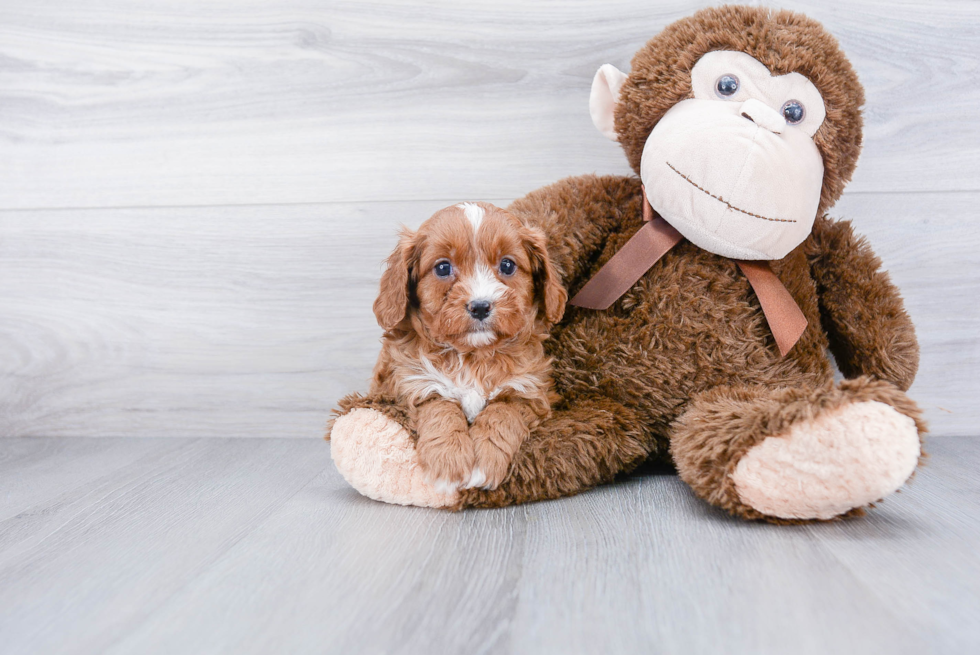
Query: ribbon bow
(653,241)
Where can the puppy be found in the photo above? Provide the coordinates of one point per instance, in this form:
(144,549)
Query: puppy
(466,302)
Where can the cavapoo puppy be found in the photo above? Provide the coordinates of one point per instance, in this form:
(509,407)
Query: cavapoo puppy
(466,302)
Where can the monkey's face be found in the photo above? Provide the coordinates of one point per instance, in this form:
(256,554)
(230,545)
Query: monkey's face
(733,167)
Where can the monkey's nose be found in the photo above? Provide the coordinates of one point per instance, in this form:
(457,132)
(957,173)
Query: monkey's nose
(763,115)
(479,309)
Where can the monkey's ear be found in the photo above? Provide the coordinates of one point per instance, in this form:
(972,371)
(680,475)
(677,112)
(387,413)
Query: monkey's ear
(606,84)
(392,302)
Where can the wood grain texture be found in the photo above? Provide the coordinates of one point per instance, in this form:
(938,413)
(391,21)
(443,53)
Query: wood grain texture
(939,524)
(253,321)
(36,471)
(134,537)
(254,101)
(232,321)
(229,545)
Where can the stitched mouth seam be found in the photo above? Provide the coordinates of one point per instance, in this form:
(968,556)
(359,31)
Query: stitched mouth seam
(725,202)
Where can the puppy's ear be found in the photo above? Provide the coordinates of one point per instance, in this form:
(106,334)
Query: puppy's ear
(547,282)
(392,303)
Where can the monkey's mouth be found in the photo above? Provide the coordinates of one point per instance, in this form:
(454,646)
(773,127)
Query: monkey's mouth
(725,202)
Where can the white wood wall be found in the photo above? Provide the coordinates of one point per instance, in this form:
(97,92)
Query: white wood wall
(195,197)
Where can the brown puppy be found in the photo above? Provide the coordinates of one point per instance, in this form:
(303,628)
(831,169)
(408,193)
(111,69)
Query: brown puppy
(466,302)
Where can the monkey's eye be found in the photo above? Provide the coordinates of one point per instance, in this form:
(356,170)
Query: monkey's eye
(726,86)
(793,111)
(443,269)
(507,267)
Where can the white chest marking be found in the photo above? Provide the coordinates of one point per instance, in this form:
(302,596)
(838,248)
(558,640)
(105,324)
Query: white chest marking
(462,388)
(472,401)
(459,387)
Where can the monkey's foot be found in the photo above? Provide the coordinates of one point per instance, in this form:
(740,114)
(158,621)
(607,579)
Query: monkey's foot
(377,457)
(831,464)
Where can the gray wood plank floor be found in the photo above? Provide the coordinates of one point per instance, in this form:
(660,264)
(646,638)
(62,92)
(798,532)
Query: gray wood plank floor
(257,546)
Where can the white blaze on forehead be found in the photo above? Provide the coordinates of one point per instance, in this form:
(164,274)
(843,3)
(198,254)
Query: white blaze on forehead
(474,213)
(484,285)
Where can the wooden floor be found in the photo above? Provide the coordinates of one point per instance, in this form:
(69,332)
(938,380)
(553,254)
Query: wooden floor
(258,546)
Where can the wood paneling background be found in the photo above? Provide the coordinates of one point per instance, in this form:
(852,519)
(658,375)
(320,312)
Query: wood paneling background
(195,198)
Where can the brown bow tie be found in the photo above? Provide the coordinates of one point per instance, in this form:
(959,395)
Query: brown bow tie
(653,241)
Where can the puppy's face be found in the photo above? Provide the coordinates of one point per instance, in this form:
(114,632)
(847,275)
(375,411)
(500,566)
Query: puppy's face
(473,275)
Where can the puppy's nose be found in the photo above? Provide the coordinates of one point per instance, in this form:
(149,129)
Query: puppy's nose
(479,309)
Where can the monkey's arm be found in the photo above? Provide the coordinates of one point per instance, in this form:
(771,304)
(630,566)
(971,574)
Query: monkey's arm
(861,309)
(577,214)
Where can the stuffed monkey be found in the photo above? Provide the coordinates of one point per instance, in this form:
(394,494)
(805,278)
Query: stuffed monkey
(708,290)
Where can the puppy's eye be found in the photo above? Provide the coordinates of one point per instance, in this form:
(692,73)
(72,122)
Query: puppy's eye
(507,267)
(443,269)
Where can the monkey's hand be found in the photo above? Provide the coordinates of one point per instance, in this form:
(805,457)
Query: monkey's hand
(861,309)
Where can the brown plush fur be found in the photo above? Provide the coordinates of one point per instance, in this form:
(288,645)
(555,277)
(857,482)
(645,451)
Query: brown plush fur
(722,424)
(683,367)
(428,338)
(690,326)
(785,42)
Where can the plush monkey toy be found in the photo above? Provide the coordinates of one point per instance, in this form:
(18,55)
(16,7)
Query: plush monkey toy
(708,291)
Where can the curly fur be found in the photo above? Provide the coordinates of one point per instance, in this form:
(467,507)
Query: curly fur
(785,42)
(726,422)
(431,365)
(683,368)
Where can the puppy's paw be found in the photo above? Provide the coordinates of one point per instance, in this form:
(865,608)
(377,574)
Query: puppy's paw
(497,434)
(448,461)
(477,479)
(492,461)
(493,465)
